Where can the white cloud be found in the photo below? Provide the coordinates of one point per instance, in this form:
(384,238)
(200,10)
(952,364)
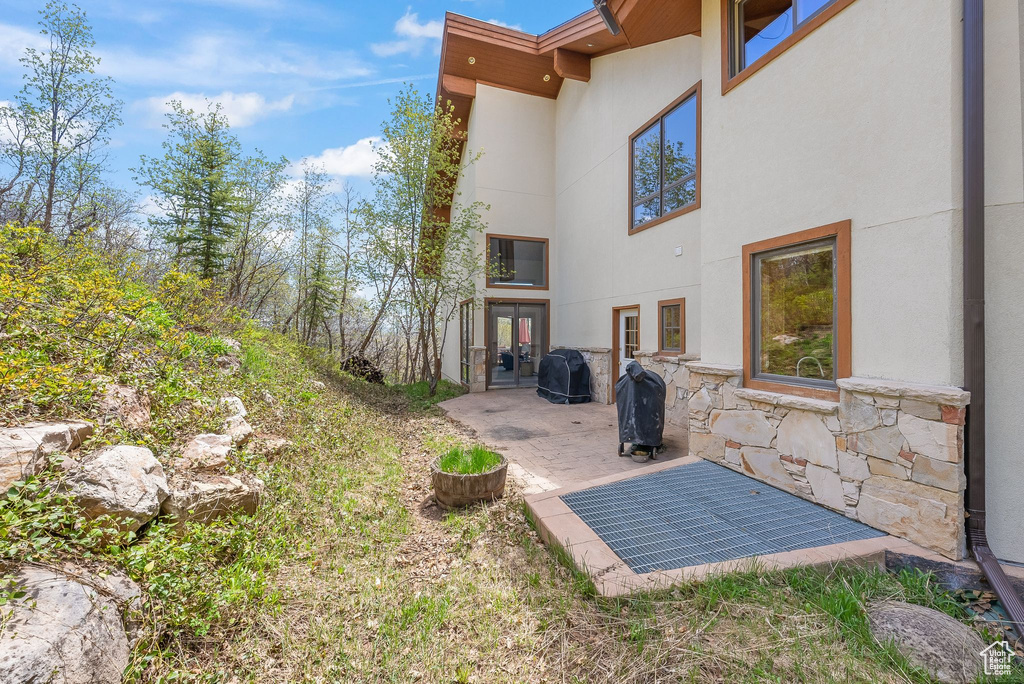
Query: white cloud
(241,109)
(356,159)
(499,22)
(413,36)
(228,59)
(14,40)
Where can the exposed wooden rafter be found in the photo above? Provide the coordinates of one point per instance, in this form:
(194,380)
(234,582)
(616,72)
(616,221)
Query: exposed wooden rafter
(571,64)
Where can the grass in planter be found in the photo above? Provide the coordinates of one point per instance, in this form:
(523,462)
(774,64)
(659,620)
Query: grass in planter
(469,461)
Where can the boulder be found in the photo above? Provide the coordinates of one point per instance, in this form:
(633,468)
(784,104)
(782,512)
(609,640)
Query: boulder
(125,482)
(67,631)
(948,650)
(25,450)
(126,404)
(234,406)
(206,453)
(272,445)
(211,496)
(238,430)
(232,344)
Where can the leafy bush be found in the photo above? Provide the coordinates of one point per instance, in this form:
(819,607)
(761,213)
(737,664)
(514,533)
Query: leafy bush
(469,461)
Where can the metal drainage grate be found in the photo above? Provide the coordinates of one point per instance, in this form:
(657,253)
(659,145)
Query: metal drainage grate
(705,513)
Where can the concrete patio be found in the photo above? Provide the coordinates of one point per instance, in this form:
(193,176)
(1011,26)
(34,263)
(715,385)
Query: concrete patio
(555,450)
(550,446)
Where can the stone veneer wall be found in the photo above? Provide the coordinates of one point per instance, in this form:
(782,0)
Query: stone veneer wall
(888,454)
(478,364)
(600,361)
(674,372)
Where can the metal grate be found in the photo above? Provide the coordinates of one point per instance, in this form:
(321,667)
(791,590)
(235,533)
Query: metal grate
(705,513)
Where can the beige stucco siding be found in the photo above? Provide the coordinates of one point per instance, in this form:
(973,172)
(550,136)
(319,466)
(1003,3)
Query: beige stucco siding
(856,121)
(1004,305)
(600,264)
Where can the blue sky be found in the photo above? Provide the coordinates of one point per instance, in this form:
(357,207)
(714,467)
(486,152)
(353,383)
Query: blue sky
(299,78)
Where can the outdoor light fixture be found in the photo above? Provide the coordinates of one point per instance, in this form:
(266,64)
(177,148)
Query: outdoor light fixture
(472,60)
(547,77)
(609,18)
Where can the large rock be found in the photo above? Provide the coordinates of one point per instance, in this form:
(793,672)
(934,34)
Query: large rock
(947,649)
(931,438)
(125,482)
(126,404)
(234,406)
(803,435)
(925,515)
(238,430)
(210,497)
(748,428)
(25,450)
(65,631)
(206,453)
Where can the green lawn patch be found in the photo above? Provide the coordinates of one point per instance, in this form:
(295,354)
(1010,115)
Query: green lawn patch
(419,397)
(471,461)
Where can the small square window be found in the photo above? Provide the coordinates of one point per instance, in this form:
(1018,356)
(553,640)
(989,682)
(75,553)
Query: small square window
(672,327)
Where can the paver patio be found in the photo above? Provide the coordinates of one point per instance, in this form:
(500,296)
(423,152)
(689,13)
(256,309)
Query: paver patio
(555,450)
(553,445)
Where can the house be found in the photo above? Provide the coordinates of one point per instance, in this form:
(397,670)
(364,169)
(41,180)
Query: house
(765,201)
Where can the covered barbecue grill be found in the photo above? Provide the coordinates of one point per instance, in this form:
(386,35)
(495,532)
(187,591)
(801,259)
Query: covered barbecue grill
(640,399)
(564,377)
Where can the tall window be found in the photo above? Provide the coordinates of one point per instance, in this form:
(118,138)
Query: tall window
(517,262)
(672,330)
(797,305)
(665,163)
(761,29)
(466,341)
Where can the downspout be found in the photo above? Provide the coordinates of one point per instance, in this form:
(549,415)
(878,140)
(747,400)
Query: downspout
(974,308)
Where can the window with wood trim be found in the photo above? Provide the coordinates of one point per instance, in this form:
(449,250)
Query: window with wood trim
(797,310)
(631,336)
(517,262)
(757,31)
(465,341)
(665,163)
(672,327)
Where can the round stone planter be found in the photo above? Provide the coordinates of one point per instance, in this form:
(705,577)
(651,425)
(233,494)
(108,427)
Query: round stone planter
(453,490)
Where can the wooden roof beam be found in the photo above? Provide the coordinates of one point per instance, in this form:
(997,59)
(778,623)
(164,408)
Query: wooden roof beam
(574,65)
(459,86)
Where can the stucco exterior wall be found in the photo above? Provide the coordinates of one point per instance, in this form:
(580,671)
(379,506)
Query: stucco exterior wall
(859,120)
(1004,305)
(600,264)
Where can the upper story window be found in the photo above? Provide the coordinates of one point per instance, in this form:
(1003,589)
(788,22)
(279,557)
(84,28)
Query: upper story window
(797,311)
(665,163)
(518,262)
(760,30)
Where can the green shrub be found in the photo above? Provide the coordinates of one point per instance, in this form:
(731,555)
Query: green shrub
(469,461)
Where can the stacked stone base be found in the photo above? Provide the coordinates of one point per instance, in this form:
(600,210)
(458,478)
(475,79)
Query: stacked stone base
(599,359)
(887,454)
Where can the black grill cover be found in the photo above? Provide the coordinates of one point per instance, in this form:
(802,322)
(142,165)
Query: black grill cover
(564,377)
(640,398)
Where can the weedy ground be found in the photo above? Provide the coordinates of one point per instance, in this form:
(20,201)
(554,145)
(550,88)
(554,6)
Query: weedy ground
(349,572)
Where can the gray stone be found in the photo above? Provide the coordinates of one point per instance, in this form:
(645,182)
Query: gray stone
(206,453)
(921,409)
(889,417)
(931,438)
(127,405)
(942,474)
(857,415)
(948,396)
(827,487)
(853,467)
(885,442)
(732,456)
(803,435)
(238,430)
(746,427)
(887,468)
(832,423)
(947,649)
(234,406)
(764,464)
(700,402)
(125,482)
(25,450)
(210,497)
(63,631)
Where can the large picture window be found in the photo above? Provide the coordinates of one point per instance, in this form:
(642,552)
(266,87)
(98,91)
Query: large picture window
(797,310)
(465,341)
(760,30)
(517,262)
(665,163)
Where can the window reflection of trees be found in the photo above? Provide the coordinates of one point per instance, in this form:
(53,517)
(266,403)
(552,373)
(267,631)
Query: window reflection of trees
(665,174)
